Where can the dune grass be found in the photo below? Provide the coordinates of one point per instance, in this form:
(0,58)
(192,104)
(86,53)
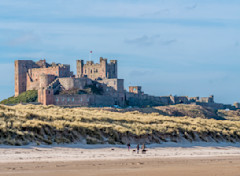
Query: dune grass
(22,124)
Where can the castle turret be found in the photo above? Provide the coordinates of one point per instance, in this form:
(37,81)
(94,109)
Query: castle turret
(103,63)
(43,81)
(112,69)
(80,64)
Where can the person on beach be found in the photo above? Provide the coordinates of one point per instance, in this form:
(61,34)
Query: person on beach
(129,146)
(138,149)
(143,149)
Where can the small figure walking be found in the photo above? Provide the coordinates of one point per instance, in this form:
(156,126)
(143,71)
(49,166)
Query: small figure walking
(129,146)
(138,149)
(143,149)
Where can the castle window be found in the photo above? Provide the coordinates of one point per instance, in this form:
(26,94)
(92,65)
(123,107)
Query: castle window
(63,99)
(96,70)
(57,99)
(81,99)
(73,100)
(68,99)
(91,70)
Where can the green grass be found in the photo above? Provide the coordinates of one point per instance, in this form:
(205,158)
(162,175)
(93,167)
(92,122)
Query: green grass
(25,97)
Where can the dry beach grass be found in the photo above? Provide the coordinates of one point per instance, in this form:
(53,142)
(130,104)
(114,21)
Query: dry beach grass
(24,124)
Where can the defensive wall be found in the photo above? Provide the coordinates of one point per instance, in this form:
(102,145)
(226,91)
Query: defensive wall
(95,84)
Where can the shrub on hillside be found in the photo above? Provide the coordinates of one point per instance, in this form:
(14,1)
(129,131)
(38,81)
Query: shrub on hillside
(25,97)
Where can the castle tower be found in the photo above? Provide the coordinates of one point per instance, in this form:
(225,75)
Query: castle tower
(21,70)
(113,72)
(80,65)
(102,70)
(45,96)
(44,80)
(103,63)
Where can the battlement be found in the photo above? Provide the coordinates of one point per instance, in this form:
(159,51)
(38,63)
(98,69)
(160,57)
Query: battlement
(113,61)
(96,71)
(90,63)
(103,59)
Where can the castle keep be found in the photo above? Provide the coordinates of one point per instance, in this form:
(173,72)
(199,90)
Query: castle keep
(93,85)
(103,70)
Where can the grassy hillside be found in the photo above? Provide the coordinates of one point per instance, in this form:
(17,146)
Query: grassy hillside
(179,110)
(21,125)
(25,97)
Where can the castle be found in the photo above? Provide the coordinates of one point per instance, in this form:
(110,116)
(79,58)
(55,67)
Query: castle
(93,85)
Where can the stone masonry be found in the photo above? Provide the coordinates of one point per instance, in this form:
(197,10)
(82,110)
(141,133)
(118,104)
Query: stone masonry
(93,85)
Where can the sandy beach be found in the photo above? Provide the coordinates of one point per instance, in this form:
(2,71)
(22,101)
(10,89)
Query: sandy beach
(118,161)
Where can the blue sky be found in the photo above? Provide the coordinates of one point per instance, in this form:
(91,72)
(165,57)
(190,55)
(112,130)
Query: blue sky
(187,47)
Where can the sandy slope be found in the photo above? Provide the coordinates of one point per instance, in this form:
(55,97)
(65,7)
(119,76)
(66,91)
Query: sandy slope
(57,161)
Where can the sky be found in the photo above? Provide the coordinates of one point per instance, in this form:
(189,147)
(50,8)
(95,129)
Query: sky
(187,47)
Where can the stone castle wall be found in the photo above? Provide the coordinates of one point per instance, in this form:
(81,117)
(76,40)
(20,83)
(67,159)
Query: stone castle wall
(85,100)
(33,75)
(101,70)
(116,84)
(106,89)
(75,83)
(21,68)
(27,74)
(135,89)
(46,96)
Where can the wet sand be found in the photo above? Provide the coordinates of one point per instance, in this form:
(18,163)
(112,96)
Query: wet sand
(161,161)
(229,166)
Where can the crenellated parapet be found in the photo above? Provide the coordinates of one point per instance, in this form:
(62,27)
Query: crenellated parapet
(96,71)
